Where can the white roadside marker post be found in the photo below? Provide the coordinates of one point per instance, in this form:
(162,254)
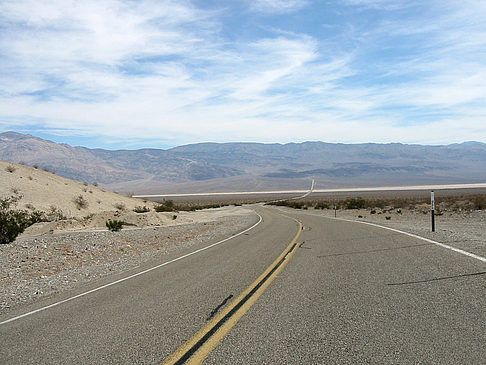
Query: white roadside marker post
(432,209)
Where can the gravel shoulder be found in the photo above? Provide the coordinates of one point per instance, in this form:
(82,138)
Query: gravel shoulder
(463,230)
(34,267)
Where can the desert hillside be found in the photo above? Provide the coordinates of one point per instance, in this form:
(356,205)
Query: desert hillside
(71,205)
(46,191)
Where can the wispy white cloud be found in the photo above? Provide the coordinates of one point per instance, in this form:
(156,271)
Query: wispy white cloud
(167,69)
(277,6)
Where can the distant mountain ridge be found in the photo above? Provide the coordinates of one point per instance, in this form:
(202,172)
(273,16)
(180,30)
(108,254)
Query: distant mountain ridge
(252,166)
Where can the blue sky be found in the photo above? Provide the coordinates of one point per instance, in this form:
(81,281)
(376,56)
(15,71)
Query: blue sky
(131,74)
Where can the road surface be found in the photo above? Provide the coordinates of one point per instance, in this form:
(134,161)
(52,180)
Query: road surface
(312,189)
(344,293)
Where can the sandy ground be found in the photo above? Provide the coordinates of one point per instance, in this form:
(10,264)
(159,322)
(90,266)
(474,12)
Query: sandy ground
(49,192)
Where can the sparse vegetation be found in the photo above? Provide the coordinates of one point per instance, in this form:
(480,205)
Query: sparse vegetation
(10,168)
(35,166)
(95,184)
(119,206)
(322,205)
(140,209)
(114,225)
(165,206)
(12,221)
(289,203)
(55,214)
(174,217)
(454,203)
(80,202)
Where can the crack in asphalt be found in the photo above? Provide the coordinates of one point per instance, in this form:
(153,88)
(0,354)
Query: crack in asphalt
(438,279)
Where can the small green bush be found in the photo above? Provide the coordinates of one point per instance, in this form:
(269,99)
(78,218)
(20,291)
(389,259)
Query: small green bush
(14,222)
(120,206)
(114,225)
(80,202)
(10,168)
(166,206)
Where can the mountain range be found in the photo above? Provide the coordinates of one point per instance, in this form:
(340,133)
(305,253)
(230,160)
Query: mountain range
(207,167)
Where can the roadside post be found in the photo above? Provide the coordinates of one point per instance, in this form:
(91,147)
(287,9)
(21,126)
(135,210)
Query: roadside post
(432,209)
(335,211)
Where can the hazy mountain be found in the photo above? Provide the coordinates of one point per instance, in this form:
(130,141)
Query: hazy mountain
(249,166)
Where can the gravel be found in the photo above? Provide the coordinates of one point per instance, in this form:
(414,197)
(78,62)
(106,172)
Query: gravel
(36,267)
(464,230)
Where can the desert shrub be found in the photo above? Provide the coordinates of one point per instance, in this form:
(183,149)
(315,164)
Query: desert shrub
(166,206)
(119,206)
(479,202)
(355,203)
(373,211)
(55,214)
(12,221)
(321,205)
(289,203)
(114,225)
(174,217)
(80,202)
(140,209)
(387,217)
(95,184)
(10,168)
(35,166)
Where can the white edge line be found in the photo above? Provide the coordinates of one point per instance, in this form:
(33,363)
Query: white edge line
(131,276)
(458,250)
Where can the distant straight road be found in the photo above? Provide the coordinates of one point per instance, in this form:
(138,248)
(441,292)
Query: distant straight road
(349,293)
(337,190)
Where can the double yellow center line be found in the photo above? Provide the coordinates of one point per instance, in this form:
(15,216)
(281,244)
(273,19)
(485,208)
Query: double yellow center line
(199,346)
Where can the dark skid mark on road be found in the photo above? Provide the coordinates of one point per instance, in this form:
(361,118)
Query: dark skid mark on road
(187,355)
(371,251)
(215,310)
(438,279)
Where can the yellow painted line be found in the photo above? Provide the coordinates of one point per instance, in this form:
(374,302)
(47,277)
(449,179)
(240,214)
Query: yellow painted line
(199,346)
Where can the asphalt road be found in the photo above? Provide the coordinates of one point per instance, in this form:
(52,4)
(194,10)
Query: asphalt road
(349,294)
